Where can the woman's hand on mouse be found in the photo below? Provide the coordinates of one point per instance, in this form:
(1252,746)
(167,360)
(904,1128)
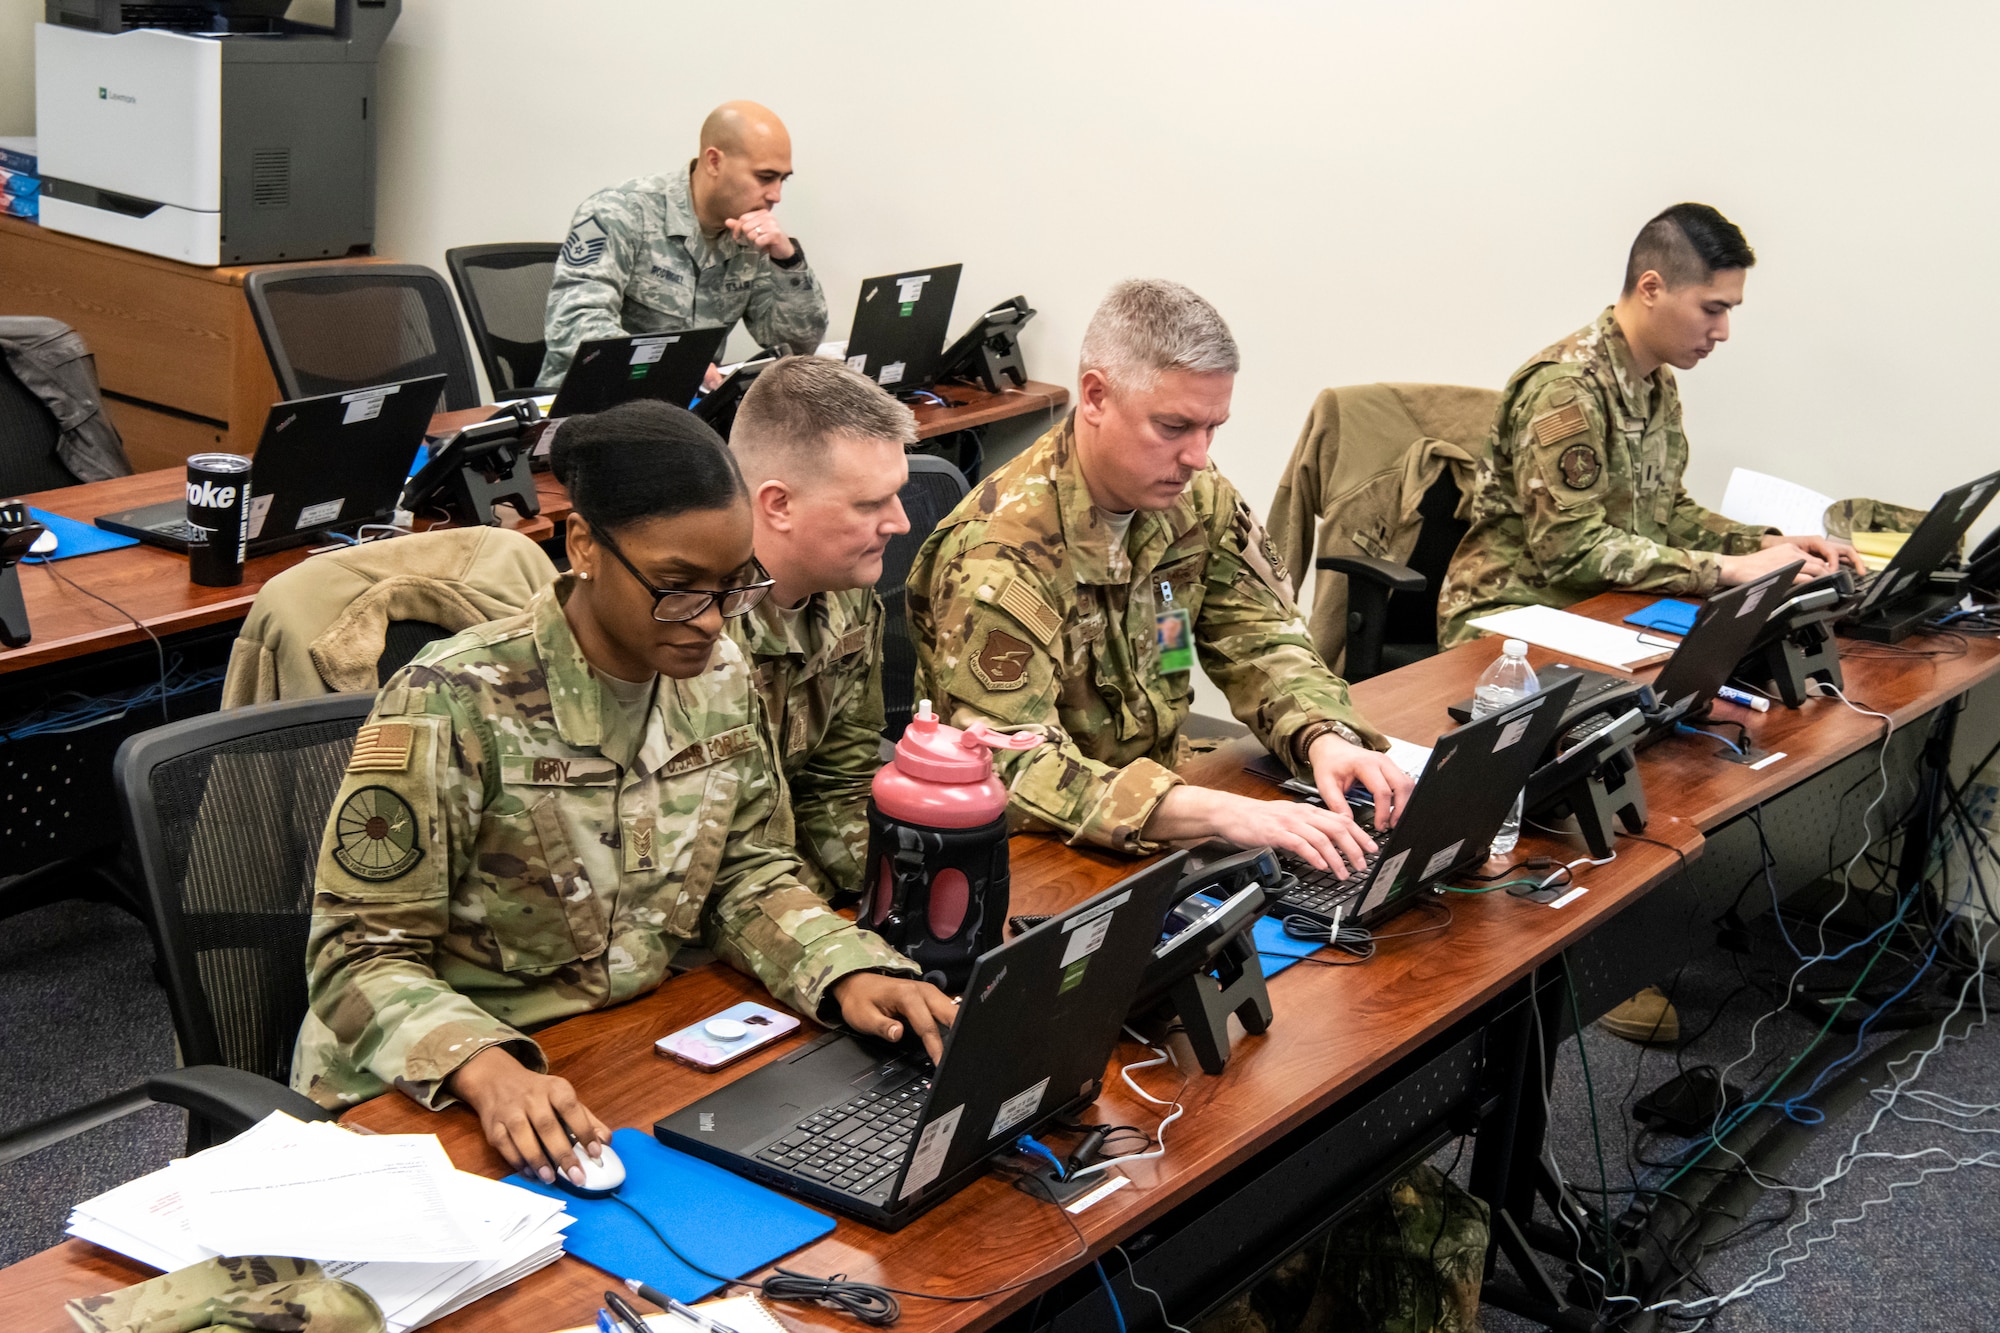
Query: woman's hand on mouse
(523,1114)
(885,1006)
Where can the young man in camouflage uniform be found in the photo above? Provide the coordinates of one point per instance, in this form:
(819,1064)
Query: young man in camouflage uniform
(693,249)
(821,449)
(1579,489)
(1048,601)
(542,810)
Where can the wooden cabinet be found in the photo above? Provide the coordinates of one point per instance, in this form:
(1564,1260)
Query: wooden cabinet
(177,352)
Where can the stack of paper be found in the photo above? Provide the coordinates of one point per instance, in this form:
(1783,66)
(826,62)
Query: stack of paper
(386,1212)
(1773,502)
(1577,636)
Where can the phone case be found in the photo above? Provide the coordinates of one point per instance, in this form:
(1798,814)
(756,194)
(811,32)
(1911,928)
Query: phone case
(696,1046)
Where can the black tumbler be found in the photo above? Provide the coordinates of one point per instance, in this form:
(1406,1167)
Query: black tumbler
(218,498)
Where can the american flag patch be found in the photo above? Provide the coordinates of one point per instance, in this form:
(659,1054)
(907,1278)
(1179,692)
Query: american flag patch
(381,748)
(1557,426)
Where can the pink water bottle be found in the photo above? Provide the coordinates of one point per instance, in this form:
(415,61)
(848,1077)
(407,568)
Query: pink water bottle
(935,885)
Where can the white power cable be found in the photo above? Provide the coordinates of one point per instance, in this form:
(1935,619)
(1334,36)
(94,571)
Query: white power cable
(1160,1057)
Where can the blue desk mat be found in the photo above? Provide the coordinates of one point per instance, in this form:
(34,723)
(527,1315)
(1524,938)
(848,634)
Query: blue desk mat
(1276,950)
(1666,615)
(78,538)
(718,1219)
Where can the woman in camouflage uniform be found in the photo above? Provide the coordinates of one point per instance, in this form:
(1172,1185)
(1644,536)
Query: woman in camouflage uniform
(542,810)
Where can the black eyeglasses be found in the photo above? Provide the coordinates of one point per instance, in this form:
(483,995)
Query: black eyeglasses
(677,604)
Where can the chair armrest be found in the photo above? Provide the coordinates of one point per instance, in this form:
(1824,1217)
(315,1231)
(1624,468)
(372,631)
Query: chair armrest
(1389,574)
(230,1099)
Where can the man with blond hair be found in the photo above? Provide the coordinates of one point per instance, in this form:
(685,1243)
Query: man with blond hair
(696,248)
(821,451)
(1073,591)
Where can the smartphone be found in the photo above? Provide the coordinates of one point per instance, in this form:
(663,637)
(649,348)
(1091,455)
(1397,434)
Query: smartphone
(727,1037)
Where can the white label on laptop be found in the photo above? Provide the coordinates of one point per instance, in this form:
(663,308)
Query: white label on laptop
(260,509)
(1751,599)
(1443,861)
(313,516)
(858,364)
(1384,882)
(911,289)
(646,351)
(891,374)
(928,1159)
(365,404)
(1087,932)
(1018,1108)
(1512,732)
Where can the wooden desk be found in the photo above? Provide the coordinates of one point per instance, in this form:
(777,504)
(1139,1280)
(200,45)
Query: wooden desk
(178,354)
(1336,1028)
(153,584)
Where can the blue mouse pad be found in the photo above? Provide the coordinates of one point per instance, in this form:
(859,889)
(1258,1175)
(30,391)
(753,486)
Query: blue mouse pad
(1276,950)
(1666,616)
(720,1220)
(75,538)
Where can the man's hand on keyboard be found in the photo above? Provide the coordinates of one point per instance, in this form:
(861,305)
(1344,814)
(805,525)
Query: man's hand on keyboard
(1322,838)
(1833,553)
(1338,765)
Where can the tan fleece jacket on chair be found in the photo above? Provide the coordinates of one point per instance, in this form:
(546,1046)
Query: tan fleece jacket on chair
(319,627)
(1360,469)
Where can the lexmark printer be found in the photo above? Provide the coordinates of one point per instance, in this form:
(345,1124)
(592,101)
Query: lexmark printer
(211,131)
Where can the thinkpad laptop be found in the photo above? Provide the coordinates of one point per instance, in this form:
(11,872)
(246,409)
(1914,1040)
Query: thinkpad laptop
(900,322)
(1725,626)
(608,371)
(870,1130)
(1897,599)
(1460,801)
(322,464)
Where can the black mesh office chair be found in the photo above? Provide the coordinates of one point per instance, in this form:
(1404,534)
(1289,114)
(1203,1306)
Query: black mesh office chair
(223,814)
(505,291)
(28,435)
(334,327)
(934,489)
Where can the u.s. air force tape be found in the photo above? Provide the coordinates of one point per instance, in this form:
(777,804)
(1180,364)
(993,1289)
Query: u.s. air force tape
(375,836)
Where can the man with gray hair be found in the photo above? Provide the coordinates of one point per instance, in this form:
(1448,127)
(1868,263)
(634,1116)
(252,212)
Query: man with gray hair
(1073,591)
(821,451)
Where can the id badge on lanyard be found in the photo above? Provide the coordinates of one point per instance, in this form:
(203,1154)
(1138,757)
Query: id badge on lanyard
(1173,633)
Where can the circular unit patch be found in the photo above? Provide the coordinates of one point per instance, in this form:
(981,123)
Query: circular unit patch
(375,836)
(1579,467)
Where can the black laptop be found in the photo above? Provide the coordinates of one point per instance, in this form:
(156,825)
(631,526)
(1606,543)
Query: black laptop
(1725,627)
(1900,597)
(323,464)
(870,1130)
(608,371)
(1461,799)
(900,322)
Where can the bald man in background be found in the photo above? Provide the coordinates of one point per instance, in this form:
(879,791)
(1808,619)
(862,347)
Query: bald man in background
(695,249)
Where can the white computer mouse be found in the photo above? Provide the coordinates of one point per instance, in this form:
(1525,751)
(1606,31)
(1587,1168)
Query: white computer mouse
(43,544)
(601,1178)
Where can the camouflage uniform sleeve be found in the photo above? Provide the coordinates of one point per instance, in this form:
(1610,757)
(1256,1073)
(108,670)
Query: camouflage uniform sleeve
(767,924)
(1563,482)
(587,295)
(981,663)
(830,794)
(1701,529)
(1253,643)
(787,307)
(381,908)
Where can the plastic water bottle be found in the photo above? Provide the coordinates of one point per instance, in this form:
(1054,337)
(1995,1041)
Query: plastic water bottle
(1505,683)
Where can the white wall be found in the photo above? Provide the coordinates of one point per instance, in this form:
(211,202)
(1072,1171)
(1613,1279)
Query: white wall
(1421,191)
(17,65)
(1426,190)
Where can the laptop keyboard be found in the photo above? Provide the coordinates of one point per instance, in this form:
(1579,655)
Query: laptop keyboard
(1319,892)
(178,529)
(852,1147)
